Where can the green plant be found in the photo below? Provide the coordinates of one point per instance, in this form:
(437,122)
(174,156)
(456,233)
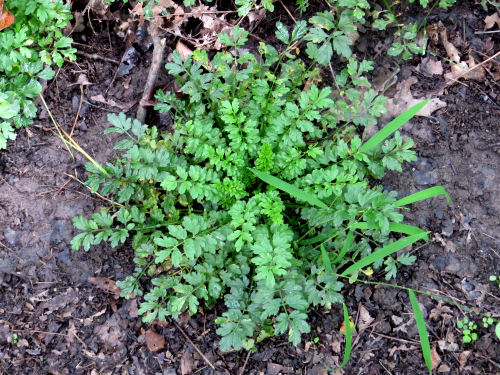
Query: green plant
(487,321)
(496,279)
(468,329)
(260,195)
(15,338)
(27,48)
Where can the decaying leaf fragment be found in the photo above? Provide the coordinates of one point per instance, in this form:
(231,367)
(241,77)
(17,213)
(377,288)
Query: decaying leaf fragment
(490,21)
(459,69)
(403,99)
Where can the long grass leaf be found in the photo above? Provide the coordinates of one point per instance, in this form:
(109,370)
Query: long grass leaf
(393,227)
(326,260)
(320,237)
(348,336)
(383,252)
(288,188)
(424,194)
(422,331)
(345,248)
(392,126)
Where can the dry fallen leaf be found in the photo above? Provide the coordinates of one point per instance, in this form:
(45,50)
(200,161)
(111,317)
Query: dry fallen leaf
(460,69)
(430,66)
(105,284)
(187,363)
(490,21)
(110,102)
(403,99)
(435,358)
(365,319)
(6,18)
(154,341)
(184,50)
(463,357)
(441,311)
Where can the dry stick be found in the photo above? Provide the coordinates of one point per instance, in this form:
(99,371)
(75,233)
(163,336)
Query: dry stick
(95,56)
(192,343)
(242,370)
(158,52)
(286,9)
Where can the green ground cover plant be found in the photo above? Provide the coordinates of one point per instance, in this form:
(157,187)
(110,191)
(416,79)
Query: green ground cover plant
(27,49)
(262,195)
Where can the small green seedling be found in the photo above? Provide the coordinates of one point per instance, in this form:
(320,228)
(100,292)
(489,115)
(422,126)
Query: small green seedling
(487,321)
(495,279)
(468,330)
(15,337)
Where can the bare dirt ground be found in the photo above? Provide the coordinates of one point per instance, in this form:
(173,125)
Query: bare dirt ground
(59,312)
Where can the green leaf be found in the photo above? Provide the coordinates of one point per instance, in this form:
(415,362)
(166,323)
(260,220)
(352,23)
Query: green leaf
(348,336)
(421,195)
(346,247)
(383,252)
(326,260)
(393,227)
(392,126)
(422,331)
(290,189)
(282,33)
(497,330)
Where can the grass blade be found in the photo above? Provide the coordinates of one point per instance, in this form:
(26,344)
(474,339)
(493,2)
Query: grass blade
(348,336)
(345,248)
(392,126)
(424,194)
(393,227)
(383,252)
(320,237)
(326,260)
(422,331)
(290,189)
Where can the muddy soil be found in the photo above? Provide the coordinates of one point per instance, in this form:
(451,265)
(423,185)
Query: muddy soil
(59,312)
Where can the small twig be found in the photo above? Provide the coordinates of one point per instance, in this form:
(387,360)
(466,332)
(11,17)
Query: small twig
(289,13)
(158,52)
(487,32)
(96,193)
(95,56)
(193,344)
(78,112)
(242,370)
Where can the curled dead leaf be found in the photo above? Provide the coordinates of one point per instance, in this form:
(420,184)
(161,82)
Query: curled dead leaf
(154,341)
(403,99)
(435,358)
(6,18)
(490,21)
(430,66)
(105,284)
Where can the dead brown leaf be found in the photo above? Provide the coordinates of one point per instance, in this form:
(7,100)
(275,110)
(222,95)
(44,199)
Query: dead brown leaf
(430,66)
(187,363)
(460,69)
(444,368)
(435,358)
(154,341)
(184,50)
(365,319)
(402,347)
(403,99)
(441,311)
(105,284)
(110,102)
(490,21)
(463,357)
